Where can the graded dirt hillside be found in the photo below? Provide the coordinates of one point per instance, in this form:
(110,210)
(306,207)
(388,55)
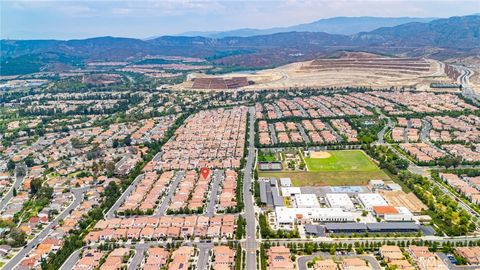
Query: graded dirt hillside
(472,63)
(350,69)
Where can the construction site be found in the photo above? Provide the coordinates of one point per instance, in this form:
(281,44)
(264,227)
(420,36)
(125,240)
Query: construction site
(350,69)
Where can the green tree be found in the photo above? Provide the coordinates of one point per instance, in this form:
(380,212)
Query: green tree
(17,237)
(10,165)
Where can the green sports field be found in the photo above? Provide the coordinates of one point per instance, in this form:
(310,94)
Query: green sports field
(343,167)
(348,160)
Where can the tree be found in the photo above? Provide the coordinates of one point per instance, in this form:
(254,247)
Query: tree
(29,161)
(21,171)
(35,185)
(10,165)
(17,237)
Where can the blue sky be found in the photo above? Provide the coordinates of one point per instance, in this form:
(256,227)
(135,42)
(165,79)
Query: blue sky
(62,19)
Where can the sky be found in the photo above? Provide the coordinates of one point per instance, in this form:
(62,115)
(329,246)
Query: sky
(61,19)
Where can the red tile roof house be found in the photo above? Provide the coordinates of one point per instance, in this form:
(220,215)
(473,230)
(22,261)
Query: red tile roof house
(147,233)
(160,232)
(224,258)
(156,258)
(107,234)
(214,231)
(227,231)
(133,233)
(279,258)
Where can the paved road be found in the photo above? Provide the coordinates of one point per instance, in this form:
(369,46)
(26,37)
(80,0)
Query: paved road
(306,139)
(171,191)
(137,258)
(72,260)
(273,134)
(464,80)
(450,265)
(16,185)
(251,243)
(302,110)
(277,110)
(426,126)
(204,256)
(425,171)
(218,176)
(439,239)
(390,125)
(334,132)
(111,213)
(78,198)
(303,260)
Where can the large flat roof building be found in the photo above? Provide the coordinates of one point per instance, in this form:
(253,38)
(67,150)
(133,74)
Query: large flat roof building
(340,200)
(369,200)
(288,216)
(306,201)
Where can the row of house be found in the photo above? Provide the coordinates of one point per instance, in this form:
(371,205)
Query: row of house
(164,227)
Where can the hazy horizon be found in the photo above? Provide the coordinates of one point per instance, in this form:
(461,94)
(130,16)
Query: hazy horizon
(85,19)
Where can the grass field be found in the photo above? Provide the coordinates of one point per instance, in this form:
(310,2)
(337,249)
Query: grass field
(349,160)
(342,168)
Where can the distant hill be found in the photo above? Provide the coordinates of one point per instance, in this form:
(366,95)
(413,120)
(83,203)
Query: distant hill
(454,32)
(335,25)
(443,38)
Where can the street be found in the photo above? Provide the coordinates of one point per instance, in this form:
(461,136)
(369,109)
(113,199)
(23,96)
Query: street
(390,125)
(171,191)
(251,243)
(78,197)
(303,260)
(72,260)
(16,185)
(218,176)
(111,213)
(204,256)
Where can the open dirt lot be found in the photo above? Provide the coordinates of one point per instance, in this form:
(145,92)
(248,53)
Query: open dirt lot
(359,69)
(473,63)
(400,198)
(322,154)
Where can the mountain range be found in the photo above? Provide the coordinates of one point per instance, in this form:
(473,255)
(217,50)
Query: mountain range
(442,38)
(335,25)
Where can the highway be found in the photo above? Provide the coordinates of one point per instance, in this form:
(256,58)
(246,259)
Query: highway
(464,80)
(250,243)
(111,213)
(16,185)
(218,176)
(78,197)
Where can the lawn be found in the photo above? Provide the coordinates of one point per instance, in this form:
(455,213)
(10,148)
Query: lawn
(342,168)
(349,160)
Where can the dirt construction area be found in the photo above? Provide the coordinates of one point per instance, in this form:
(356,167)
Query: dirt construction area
(352,69)
(399,198)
